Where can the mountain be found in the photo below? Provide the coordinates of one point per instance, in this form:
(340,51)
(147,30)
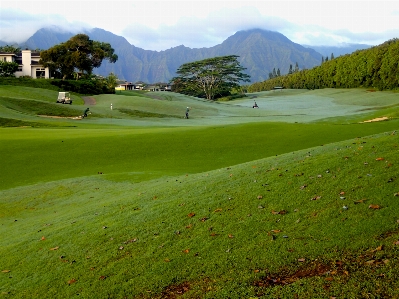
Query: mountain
(260,52)
(338,50)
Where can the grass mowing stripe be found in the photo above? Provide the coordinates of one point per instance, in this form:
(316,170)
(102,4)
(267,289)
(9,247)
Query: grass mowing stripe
(57,154)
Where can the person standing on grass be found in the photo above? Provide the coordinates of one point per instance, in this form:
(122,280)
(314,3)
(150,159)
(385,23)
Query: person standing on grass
(187,110)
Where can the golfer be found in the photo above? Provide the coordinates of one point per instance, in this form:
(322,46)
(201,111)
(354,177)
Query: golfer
(86,111)
(187,110)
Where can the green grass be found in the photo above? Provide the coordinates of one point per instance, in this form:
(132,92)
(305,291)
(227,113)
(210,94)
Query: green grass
(230,246)
(39,107)
(233,203)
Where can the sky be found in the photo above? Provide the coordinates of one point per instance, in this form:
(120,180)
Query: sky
(161,25)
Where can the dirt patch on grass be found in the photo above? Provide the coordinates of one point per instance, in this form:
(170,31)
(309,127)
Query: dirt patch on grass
(89,101)
(175,291)
(310,270)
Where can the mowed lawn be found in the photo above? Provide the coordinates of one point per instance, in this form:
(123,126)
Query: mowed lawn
(126,145)
(284,201)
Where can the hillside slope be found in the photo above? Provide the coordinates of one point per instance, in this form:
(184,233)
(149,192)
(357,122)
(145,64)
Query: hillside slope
(320,222)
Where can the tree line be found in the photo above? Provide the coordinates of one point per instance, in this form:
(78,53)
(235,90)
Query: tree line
(376,67)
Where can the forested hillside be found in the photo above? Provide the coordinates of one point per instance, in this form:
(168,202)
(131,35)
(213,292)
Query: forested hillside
(377,67)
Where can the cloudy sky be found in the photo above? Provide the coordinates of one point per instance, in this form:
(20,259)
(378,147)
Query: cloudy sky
(160,25)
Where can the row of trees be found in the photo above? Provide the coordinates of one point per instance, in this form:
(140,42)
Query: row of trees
(275,74)
(377,67)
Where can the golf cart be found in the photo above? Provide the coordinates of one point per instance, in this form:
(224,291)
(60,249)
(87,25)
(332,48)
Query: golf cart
(64,98)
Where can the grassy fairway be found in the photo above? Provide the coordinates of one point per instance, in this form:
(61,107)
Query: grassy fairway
(297,199)
(299,223)
(38,155)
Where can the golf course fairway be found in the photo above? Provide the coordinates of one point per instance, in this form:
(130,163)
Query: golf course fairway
(298,198)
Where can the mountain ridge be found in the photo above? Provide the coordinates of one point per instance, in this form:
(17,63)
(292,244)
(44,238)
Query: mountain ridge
(260,51)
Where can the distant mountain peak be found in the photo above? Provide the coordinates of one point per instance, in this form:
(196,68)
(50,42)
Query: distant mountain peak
(260,51)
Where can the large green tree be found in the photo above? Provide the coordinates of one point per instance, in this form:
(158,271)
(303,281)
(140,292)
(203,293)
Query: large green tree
(210,76)
(78,53)
(7,68)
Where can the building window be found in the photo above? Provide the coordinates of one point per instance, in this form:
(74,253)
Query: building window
(40,73)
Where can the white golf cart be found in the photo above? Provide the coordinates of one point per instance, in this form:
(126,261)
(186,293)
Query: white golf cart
(64,98)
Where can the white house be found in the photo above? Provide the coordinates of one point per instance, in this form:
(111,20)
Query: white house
(28,64)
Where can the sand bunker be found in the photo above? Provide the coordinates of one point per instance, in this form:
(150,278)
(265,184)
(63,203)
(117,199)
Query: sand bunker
(65,117)
(376,119)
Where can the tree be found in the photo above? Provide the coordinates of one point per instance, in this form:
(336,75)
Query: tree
(332,56)
(210,76)
(290,70)
(7,69)
(10,49)
(278,72)
(79,52)
(111,80)
(296,67)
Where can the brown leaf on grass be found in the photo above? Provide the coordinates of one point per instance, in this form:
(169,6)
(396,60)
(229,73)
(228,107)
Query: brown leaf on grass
(342,193)
(256,270)
(315,198)
(303,187)
(374,207)
(259,197)
(55,248)
(282,212)
(276,231)
(329,278)
(213,234)
(396,243)
(359,201)
(379,159)
(190,215)
(73,280)
(189,226)
(396,194)
(43,238)
(379,248)
(231,236)
(203,219)
(6,271)
(218,210)
(301,260)
(186,250)
(167,260)
(370,262)
(102,277)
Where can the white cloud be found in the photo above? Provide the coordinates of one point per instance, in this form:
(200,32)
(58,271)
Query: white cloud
(159,25)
